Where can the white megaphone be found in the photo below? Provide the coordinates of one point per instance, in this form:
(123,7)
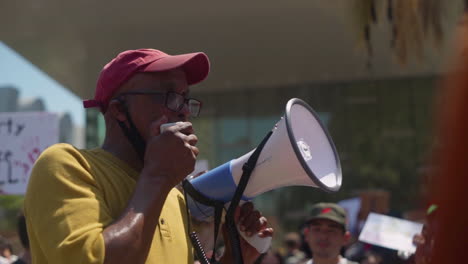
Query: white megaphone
(299,152)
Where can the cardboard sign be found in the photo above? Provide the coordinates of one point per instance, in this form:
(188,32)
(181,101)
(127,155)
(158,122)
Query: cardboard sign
(390,232)
(23,136)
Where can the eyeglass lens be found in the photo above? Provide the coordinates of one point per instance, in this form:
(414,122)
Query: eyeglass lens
(176,102)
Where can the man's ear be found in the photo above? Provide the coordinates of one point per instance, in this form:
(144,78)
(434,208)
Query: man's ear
(116,110)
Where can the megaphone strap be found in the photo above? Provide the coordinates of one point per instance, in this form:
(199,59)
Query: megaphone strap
(247,169)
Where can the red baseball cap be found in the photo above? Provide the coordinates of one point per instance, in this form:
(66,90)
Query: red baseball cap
(126,64)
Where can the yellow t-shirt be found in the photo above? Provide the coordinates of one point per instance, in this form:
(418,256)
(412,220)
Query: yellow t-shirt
(74,194)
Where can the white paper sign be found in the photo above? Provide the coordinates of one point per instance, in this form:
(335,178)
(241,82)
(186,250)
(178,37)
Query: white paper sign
(390,232)
(23,136)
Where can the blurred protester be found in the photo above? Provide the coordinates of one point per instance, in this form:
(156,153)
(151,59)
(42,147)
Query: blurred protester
(424,241)
(326,234)
(6,252)
(293,255)
(25,257)
(371,257)
(360,251)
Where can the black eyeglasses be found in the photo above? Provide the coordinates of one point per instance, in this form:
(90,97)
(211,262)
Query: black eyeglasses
(172,100)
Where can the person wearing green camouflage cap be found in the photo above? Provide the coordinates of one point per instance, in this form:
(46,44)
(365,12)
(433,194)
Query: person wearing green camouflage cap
(325,234)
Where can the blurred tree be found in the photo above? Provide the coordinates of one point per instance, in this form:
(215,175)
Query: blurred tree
(414,24)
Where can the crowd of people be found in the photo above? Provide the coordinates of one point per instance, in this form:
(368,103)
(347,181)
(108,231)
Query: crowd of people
(323,238)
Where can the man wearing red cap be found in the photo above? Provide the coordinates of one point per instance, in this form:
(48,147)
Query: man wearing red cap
(118,204)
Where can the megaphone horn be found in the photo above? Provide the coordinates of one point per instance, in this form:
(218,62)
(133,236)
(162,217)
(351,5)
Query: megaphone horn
(299,152)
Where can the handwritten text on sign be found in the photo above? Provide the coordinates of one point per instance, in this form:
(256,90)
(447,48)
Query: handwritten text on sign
(23,136)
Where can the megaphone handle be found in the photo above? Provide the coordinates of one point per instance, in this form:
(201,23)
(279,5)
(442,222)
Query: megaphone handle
(261,244)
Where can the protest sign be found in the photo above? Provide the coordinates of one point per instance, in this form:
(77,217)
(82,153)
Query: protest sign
(390,232)
(23,136)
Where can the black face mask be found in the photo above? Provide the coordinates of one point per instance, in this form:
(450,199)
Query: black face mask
(132,134)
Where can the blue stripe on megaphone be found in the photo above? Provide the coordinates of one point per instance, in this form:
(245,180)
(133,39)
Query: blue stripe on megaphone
(217,184)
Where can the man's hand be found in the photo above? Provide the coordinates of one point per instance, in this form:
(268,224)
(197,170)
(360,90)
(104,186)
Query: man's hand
(252,223)
(172,153)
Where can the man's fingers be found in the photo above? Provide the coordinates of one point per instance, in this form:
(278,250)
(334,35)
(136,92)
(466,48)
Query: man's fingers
(182,127)
(245,210)
(253,223)
(237,214)
(191,139)
(245,216)
(195,151)
(267,232)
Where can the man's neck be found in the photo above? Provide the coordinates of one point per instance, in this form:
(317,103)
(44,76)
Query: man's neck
(318,260)
(122,149)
